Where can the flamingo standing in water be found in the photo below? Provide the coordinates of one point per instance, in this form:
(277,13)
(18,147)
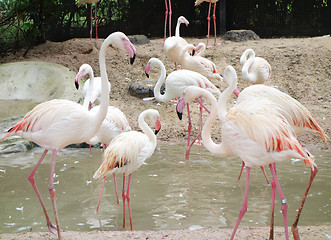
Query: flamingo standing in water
(257,132)
(115,121)
(255,69)
(173,45)
(128,151)
(198,2)
(167,12)
(55,124)
(80,2)
(175,84)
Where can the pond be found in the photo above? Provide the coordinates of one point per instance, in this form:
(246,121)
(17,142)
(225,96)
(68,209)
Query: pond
(167,192)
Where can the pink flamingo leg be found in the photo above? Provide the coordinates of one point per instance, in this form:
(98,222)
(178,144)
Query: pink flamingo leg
(208,18)
(243,208)
(273,196)
(102,186)
(128,199)
(170,13)
(123,197)
(295,224)
(96,26)
(241,170)
(115,182)
(214,18)
(282,197)
(50,226)
(189,133)
(165,20)
(91,24)
(52,193)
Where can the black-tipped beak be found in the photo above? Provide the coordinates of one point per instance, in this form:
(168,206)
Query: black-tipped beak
(180,115)
(193,52)
(156,131)
(76,85)
(132,59)
(147,75)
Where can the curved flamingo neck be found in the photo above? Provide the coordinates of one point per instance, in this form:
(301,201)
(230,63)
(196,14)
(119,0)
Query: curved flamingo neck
(160,81)
(208,143)
(246,74)
(222,101)
(177,28)
(89,89)
(145,128)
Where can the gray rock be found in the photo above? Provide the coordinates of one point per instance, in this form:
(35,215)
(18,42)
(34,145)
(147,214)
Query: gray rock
(16,145)
(139,39)
(142,89)
(241,35)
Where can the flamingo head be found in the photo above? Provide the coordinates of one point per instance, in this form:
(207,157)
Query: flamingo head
(147,69)
(248,52)
(157,125)
(180,106)
(120,41)
(83,70)
(198,2)
(182,19)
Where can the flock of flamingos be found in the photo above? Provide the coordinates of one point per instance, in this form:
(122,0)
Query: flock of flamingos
(260,128)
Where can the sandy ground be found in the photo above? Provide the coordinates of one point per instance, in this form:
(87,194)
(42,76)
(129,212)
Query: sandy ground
(300,66)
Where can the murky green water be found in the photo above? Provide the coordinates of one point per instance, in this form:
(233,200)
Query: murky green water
(167,192)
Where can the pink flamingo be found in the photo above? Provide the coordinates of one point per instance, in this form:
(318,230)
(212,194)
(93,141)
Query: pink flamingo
(115,121)
(167,12)
(128,151)
(257,132)
(175,84)
(173,45)
(55,124)
(80,2)
(198,2)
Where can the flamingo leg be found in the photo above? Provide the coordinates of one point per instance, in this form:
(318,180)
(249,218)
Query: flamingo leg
(128,199)
(165,20)
(50,226)
(295,224)
(115,182)
(214,18)
(102,186)
(51,190)
(96,26)
(170,13)
(189,133)
(91,23)
(282,197)
(123,197)
(241,170)
(243,208)
(273,196)
(208,18)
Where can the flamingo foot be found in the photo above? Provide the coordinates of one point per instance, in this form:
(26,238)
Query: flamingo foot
(217,44)
(52,229)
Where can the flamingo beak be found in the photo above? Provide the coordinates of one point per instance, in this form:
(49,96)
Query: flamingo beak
(79,76)
(147,69)
(180,106)
(131,50)
(157,126)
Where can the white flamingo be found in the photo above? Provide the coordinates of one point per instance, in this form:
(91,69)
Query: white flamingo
(197,63)
(55,124)
(257,132)
(256,70)
(198,2)
(173,45)
(128,151)
(92,86)
(175,84)
(80,2)
(115,121)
